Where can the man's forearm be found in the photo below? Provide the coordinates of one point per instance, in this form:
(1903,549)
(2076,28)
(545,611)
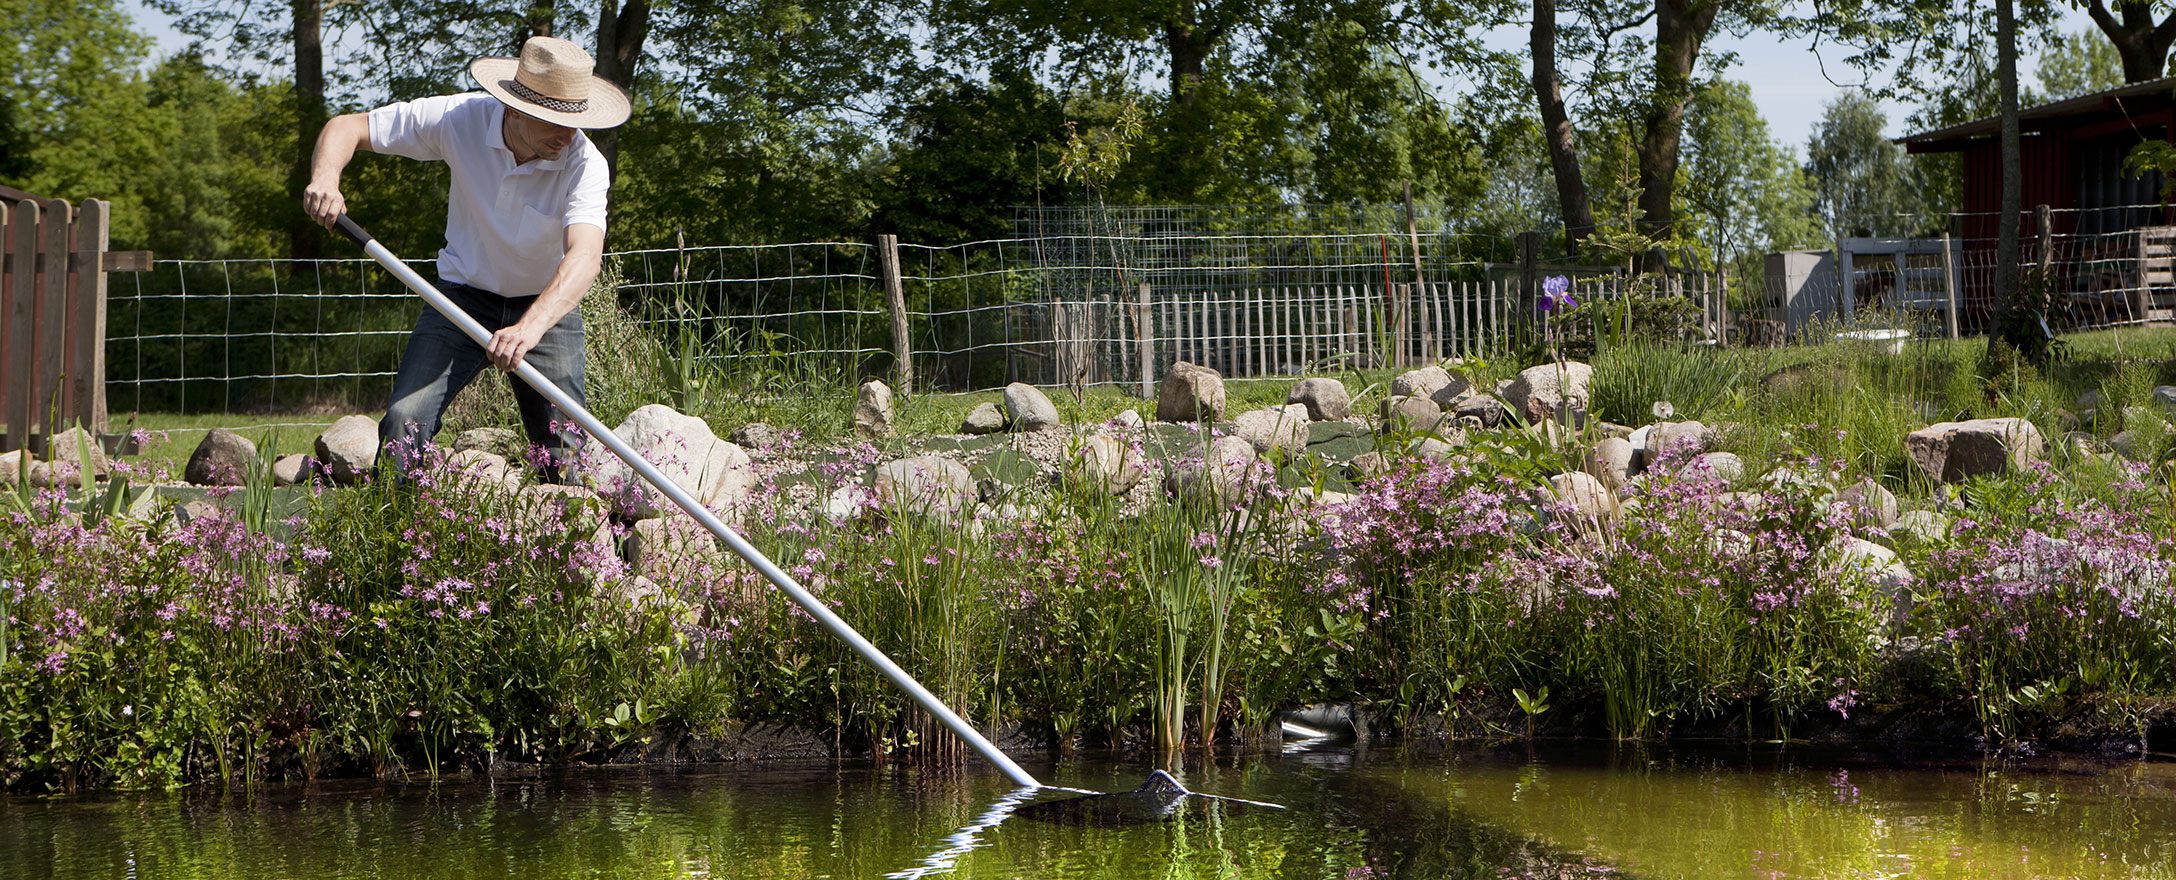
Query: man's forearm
(565,291)
(578,267)
(336,144)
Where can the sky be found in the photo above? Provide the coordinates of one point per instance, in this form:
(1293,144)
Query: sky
(1787,77)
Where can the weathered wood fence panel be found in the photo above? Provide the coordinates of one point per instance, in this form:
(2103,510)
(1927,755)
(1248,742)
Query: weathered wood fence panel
(53,266)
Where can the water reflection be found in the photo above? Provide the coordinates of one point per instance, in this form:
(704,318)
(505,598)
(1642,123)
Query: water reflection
(1490,813)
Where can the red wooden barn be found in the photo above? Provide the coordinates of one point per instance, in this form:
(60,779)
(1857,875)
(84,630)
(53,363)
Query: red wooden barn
(2072,153)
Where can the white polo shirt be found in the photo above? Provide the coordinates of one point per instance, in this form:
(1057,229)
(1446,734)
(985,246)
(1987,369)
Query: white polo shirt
(505,223)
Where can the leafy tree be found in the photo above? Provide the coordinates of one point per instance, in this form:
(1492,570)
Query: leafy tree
(1743,192)
(80,104)
(214,188)
(2140,39)
(1860,186)
(2075,64)
(971,152)
(14,148)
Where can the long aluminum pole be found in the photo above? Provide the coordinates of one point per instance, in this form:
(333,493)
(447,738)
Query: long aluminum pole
(694,508)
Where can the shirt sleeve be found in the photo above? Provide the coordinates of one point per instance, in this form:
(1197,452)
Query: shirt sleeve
(414,129)
(586,201)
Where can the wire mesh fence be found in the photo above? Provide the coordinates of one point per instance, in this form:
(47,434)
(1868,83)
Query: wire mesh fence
(1094,296)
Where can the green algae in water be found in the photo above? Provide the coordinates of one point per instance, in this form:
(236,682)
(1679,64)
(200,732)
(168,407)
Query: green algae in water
(1475,814)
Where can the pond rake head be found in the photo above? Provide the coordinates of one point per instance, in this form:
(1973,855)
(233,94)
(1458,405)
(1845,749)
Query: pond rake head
(1159,783)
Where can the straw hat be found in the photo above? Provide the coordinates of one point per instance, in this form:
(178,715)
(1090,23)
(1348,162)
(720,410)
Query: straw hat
(553,80)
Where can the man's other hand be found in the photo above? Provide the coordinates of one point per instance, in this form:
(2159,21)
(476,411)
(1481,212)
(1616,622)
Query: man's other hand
(510,344)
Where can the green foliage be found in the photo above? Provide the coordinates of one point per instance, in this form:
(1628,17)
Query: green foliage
(1699,384)
(1861,186)
(972,151)
(1740,192)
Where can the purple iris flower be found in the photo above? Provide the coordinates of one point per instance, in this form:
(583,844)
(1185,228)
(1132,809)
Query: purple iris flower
(1556,293)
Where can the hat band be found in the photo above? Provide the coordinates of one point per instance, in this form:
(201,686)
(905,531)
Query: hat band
(542,100)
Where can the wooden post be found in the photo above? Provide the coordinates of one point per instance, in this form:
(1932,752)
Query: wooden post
(51,323)
(12,438)
(87,318)
(1145,338)
(21,343)
(2047,243)
(1722,304)
(1420,279)
(1847,289)
(2139,313)
(895,298)
(1949,284)
(1529,284)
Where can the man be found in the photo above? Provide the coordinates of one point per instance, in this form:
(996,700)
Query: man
(524,229)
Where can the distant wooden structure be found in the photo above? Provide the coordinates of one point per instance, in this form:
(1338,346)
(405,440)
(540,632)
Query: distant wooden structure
(53,266)
(2078,196)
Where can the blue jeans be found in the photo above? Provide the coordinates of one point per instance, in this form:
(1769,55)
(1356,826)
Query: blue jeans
(440,361)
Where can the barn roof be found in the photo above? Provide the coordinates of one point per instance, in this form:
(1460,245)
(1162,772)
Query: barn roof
(2096,109)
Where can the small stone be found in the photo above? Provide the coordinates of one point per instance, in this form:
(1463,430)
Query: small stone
(1725,466)
(924,483)
(349,448)
(1403,413)
(290,469)
(985,418)
(1585,494)
(497,441)
(66,462)
(1325,399)
(684,450)
(223,458)
(847,504)
(873,410)
(1553,391)
(1611,461)
(873,413)
(11,467)
(1869,503)
(1365,465)
(1948,452)
(1273,428)
(191,511)
(2164,396)
(1923,525)
(1028,409)
(756,435)
(1129,420)
(481,467)
(1225,474)
(1431,448)
(1191,393)
(1432,382)
(1680,440)
(1482,408)
(1110,464)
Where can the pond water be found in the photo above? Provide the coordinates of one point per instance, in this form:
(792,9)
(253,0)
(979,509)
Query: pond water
(1555,811)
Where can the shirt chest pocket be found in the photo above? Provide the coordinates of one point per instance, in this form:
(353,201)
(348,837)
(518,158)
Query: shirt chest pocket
(538,236)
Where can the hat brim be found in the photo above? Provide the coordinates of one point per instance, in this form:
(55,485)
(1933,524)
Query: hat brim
(607,107)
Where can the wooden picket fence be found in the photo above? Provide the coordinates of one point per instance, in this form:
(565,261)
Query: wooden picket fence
(53,315)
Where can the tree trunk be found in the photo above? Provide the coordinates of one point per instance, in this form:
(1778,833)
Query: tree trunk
(1185,159)
(2013,197)
(1189,45)
(305,240)
(1680,27)
(539,20)
(1556,130)
(2141,42)
(621,29)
